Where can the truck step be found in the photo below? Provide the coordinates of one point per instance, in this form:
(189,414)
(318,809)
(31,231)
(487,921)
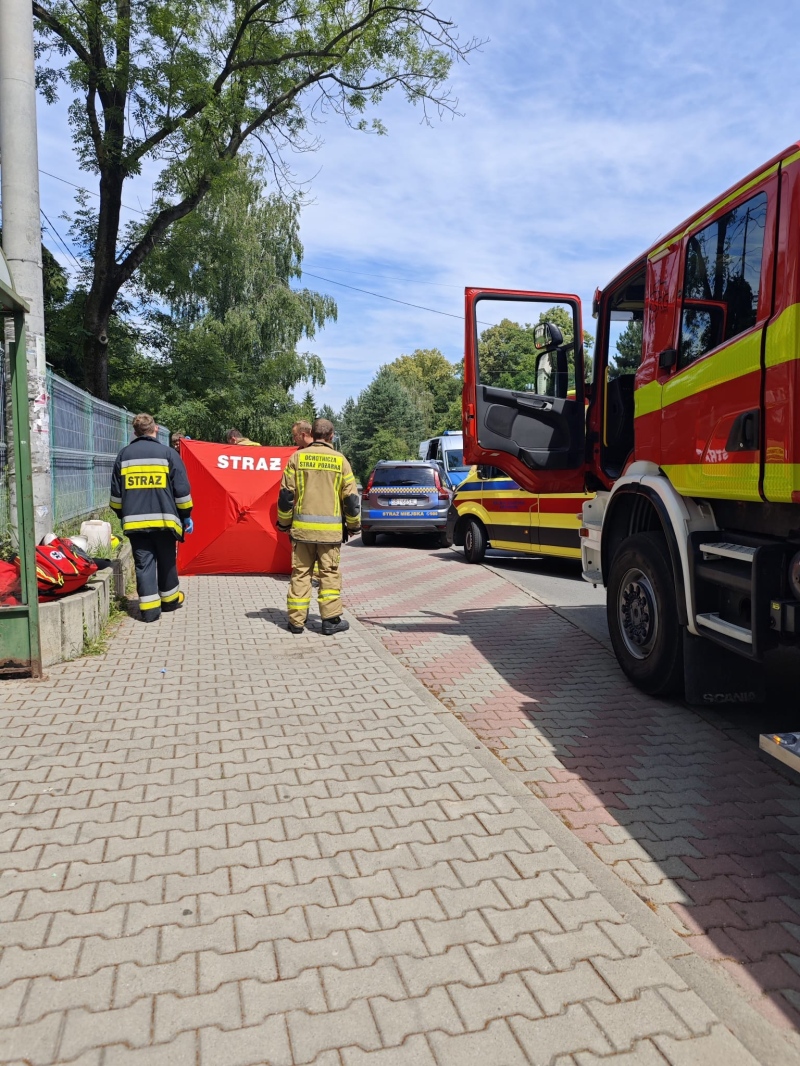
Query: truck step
(728,574)
(728,629)
(741,552)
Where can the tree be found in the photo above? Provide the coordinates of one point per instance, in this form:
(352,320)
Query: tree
(628,354)
(507,354)
(431,379)
(307,406)
(502,350)
(188,84)
(344,422)
(228,346)
(384,423)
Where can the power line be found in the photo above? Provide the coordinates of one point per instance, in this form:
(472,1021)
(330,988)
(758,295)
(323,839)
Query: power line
(380,296)
(358,273)
(91,192)
(61,241)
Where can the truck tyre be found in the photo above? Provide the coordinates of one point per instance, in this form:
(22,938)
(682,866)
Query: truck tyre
(643,615)
(474,541)
(368,538)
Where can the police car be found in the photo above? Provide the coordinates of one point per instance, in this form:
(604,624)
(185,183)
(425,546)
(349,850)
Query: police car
(405,497)
(489,510)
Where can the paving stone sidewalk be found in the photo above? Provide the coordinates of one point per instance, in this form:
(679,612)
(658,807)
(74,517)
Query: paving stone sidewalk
(223,845)
(668,799)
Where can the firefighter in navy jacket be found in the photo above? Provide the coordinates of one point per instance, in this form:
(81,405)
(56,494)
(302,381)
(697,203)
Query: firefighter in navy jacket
(150,493)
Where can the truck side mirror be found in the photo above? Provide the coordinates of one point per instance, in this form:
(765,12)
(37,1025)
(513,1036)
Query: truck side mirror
(546,336)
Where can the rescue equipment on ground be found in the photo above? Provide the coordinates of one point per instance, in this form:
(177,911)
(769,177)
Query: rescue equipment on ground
(10,584)
(98,535)
(61,569)
(235,510)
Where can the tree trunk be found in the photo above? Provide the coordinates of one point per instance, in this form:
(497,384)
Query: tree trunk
(96,315)
(106,281)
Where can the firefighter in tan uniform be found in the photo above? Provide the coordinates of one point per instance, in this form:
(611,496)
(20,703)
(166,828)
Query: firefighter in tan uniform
(317,489)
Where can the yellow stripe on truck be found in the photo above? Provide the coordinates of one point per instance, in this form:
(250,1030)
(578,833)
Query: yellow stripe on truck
(783,336)
(781,481)
(736,359)
(733,361)
(726,481)
(647,399)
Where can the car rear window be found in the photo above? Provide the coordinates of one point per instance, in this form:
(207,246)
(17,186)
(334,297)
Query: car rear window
(388,476)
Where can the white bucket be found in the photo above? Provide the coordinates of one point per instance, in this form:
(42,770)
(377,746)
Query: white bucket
(98,535)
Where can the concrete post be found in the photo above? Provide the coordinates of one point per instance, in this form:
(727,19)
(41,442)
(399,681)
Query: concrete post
(19,182)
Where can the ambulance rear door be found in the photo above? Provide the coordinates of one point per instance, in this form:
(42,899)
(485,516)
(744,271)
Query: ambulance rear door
(523,400)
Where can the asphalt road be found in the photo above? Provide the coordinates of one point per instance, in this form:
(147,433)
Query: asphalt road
(558,583)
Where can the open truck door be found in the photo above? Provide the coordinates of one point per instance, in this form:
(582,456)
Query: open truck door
(524,406)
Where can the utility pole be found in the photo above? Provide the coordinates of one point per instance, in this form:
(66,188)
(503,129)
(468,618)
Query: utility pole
(22,240)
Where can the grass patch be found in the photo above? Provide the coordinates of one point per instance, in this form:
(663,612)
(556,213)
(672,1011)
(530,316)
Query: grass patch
(99,645)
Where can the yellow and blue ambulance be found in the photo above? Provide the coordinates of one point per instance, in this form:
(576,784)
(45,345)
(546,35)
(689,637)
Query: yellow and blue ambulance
(489,510)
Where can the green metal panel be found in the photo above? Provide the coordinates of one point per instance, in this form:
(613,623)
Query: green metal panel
(20,653)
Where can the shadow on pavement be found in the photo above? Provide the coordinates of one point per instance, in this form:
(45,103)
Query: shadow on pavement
(685,813)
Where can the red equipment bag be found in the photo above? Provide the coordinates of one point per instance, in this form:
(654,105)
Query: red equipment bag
(10,586)
(61,569)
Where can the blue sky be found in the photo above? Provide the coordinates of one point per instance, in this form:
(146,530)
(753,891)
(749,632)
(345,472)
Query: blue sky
(587,130)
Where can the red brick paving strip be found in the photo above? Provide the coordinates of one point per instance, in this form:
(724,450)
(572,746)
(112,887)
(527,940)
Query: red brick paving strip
(697,825)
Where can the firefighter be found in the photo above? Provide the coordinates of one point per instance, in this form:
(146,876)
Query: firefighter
(150,493)
(317,489)
(234,436)
(301,434)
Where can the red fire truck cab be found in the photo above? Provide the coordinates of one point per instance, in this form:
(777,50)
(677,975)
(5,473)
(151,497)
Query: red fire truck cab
(685,422)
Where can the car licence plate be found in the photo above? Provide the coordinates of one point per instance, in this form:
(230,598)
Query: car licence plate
(401,503)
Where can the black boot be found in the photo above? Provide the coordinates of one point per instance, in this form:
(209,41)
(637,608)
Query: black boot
(295,629)
(334,625)
(173,605)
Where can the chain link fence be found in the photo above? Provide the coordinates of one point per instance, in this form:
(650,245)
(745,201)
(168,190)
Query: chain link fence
(85,436)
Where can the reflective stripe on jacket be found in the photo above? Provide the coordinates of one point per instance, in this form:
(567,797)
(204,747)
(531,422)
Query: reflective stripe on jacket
(150,488)
(324,490)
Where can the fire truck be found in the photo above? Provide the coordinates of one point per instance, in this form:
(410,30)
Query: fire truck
(685,422)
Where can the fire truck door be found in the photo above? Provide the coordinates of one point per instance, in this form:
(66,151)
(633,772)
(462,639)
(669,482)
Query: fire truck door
(523,400)
(711,395)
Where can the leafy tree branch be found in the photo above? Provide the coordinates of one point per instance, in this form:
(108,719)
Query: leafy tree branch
(190,83)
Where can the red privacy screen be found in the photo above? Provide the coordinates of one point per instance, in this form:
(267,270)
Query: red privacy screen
(235,494)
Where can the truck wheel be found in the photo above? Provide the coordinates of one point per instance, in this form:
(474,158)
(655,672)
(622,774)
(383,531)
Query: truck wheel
(643,615)
(368,538)
(474,541)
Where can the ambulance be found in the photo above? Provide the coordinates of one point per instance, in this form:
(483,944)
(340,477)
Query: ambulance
(448,451)
(686,424)
(489,510)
